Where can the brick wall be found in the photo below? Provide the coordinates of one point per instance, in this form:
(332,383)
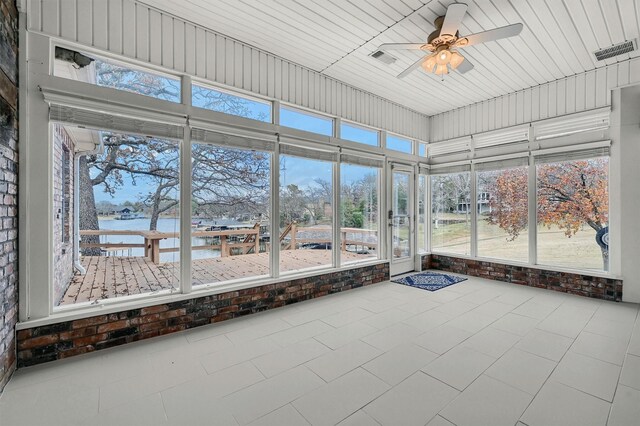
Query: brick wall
(47,343)
(8,187)
(583,285)
(63,210)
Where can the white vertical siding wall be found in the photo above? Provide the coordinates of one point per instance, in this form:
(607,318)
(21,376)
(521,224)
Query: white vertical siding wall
(134,30)
(580,92)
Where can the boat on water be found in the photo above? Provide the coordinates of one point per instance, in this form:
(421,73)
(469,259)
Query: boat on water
(129,216)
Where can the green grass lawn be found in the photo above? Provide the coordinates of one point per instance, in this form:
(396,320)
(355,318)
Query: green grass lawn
(554,247)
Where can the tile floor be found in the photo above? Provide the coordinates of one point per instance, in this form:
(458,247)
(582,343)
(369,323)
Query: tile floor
(476,353)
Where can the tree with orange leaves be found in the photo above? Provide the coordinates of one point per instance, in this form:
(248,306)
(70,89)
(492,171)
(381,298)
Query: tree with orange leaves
(570,194)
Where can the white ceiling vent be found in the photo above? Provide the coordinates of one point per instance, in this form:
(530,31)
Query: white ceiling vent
(383,56)
(616,49)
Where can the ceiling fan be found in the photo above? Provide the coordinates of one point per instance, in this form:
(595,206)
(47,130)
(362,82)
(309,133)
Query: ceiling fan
(442,44)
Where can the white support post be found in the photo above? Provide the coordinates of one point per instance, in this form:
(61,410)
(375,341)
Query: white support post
(274,240)
(36,159)
(473,205)
(427,212)
(185,196)
(533,213)
(336,243)
(275,112)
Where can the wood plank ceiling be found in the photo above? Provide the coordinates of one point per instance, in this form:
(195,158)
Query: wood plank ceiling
(336,37)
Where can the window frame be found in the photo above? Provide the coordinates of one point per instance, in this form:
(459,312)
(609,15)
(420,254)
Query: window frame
(306,111)
(584,270)
(35,288)
(412,144)
(379,176)
(251,98)
(362,127)
(114,60)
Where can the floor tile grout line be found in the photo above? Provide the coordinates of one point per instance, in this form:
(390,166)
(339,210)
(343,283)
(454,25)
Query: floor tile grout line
(554,369)
(626,354)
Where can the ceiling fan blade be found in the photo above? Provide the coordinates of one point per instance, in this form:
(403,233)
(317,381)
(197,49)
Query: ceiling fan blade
(490,35)
(452,19)
(413,66)
(464,66)
(400,46)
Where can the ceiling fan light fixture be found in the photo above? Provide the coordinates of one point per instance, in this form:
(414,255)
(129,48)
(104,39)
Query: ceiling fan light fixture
(456,59)
(429,64)
(441,70)
(443,57)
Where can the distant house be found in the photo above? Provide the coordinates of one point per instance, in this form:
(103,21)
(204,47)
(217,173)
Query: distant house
(484,206)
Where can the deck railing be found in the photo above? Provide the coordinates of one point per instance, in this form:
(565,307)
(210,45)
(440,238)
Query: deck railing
(227,241)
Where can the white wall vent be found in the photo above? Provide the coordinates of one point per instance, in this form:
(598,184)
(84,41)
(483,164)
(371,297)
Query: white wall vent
(501,137)
(575,123)
(452,146)
(383,56)
(616,49)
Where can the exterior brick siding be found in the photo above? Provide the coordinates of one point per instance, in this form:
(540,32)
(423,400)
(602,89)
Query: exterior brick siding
(582,285)
(63,210)
(50,342)
(8,187)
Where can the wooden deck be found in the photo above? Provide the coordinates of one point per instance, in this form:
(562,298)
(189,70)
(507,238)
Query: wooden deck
(117,276)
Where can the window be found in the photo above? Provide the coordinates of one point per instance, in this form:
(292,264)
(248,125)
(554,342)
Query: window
(422,149)
(451,213)
(129,218)
(573,212)
(216,100)
(359,134)
(108,73)
(65,181)
(230,213)
(306,213)
(423,202)
(503,213)
(358,213)
(398,143)
(400,205)
(307,121)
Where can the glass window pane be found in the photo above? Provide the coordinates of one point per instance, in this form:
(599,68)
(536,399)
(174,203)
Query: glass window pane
(573,213)
(397,143)
(306,213)
(359,134)
(129,217)
(108,73)
(309,122)
(451,215)
(230,192)
(215,100)
(358,213)
(422,213)
(422,149)
(400,230)
(503,214)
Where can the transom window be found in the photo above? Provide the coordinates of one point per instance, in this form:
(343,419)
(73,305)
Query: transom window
(217,100)
(397,143)
(307,121)
(359,134)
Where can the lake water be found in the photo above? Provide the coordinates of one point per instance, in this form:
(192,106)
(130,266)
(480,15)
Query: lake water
(164,225)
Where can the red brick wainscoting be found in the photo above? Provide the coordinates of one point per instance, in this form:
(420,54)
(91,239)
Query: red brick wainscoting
(50,342)
(8,187)
(583,285)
